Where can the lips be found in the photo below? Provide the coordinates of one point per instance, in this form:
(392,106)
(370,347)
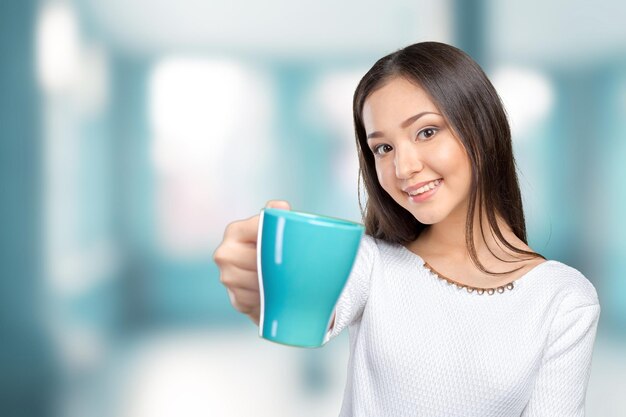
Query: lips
(419,185)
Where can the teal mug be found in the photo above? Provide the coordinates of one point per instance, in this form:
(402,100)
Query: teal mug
(304,261)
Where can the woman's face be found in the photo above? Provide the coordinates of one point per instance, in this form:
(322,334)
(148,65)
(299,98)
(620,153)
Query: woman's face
(419,162)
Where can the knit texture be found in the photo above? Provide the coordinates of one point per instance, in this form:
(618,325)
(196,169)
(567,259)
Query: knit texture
(422,347)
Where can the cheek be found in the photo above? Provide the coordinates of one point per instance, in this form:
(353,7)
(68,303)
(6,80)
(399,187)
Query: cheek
(451,160)
(446,159)
(383,174)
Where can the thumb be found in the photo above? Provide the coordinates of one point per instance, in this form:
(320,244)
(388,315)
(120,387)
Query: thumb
(278,204)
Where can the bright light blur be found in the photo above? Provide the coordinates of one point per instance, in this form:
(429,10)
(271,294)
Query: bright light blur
(161,122)
(201,113)
(58,42)
(527,95)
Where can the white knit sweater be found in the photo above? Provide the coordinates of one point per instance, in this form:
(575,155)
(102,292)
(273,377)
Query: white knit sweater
(422,347)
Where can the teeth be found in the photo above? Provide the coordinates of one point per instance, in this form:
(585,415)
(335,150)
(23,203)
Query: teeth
(425,188)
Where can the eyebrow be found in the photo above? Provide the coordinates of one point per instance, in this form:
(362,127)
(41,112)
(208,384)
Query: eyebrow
(403,125)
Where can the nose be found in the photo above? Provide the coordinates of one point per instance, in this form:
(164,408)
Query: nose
(407,161)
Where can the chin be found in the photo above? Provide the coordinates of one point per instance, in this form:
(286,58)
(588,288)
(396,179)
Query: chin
(420,217)
(427,218)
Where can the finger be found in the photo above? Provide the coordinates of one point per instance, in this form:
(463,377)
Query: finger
(237,255)
(245,301)
(243,231)
(247,230)
(246,259)
(255,315)
(234,278)
(278,204)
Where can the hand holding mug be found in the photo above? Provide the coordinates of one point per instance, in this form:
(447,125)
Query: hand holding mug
(236,258)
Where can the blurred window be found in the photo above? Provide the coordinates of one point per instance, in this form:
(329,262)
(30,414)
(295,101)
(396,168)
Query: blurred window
(209,127)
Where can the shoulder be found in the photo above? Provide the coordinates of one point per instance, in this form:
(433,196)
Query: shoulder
(382,249)
(575,319)
(368,250)
(385,256)
(574,288)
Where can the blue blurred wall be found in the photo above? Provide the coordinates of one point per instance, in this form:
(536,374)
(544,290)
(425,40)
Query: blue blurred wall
(26,368)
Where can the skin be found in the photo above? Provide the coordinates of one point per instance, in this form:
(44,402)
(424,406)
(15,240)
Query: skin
(409,151)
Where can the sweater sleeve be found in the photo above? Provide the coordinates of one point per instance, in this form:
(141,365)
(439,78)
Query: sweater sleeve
(561,384)
(354,295)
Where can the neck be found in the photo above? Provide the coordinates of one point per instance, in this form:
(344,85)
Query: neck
(448,237)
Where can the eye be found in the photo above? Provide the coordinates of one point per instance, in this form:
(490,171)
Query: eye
(427,133)
(381,149)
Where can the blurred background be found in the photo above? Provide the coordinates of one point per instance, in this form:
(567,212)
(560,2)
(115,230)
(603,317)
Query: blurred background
(132,132)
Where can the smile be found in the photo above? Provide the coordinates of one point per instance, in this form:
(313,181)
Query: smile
(425,192)
(430,186)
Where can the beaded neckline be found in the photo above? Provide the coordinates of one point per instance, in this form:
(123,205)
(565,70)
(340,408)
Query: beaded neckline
(469,288)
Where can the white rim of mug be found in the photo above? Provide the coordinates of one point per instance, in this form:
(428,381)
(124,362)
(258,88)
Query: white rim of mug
(317,219)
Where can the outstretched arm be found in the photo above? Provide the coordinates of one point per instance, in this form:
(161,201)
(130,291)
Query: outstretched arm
(561,385)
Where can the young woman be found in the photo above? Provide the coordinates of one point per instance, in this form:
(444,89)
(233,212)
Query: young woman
(450,312)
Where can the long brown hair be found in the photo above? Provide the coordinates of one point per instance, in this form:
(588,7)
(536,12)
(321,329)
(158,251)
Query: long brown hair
(471,106)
